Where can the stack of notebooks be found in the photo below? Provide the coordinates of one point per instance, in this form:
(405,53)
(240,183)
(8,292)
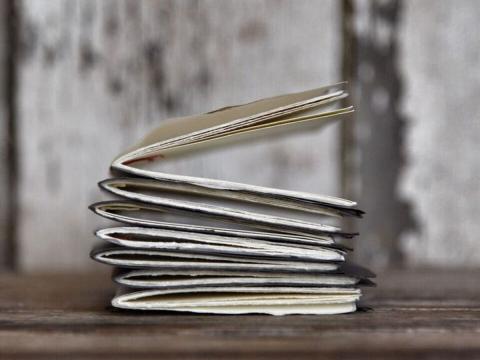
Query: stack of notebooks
(205,245)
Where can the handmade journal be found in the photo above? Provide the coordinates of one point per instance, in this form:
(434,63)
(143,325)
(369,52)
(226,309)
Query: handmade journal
(196,244)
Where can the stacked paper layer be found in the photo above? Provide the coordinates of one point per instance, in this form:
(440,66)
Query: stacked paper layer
(205,245)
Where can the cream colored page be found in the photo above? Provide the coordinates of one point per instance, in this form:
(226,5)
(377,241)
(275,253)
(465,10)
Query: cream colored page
(248,300)
(284,127)
(109,209)
(226,185)
(276,310)
(190,124)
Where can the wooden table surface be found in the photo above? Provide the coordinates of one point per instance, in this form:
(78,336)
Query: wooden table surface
(422,313)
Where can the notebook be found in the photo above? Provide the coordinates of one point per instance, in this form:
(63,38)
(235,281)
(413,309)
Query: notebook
(204,245)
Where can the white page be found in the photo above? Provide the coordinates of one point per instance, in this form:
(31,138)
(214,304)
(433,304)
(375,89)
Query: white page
(142,258)
(115,210)
(173,241)
(278,301)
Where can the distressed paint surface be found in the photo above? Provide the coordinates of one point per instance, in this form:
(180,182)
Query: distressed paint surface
(8,144)
(376,154)
(4,158)
(440,61)
(94,76)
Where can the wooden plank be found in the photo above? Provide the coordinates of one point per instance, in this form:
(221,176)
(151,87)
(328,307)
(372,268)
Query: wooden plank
(440,65)
(373,146)
(422,313)
(4,158)
(96,75)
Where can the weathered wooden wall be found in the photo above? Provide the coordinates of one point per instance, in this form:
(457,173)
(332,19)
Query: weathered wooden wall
(85,79)
(8,158)
(4,123)
(375,149)
(95,75)
(412,159)
(440,59)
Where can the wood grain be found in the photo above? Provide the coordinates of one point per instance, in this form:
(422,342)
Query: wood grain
(8,144)
(440,57)
(94,76)
(4,158)
(429,314)
(374,156)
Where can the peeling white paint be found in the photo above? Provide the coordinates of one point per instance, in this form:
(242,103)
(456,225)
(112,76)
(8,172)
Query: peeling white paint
(440,61)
